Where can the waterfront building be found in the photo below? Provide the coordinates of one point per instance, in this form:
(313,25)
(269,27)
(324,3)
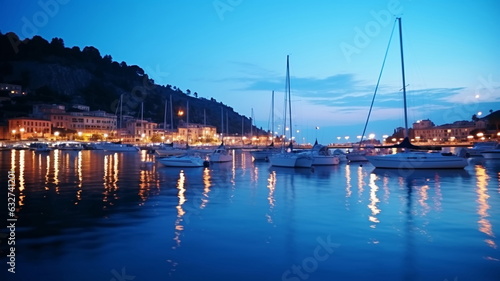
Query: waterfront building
(196,133)
(28,128)
(140,130)
(426,131)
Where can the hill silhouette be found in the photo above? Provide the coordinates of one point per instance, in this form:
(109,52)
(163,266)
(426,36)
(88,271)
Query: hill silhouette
(53,73)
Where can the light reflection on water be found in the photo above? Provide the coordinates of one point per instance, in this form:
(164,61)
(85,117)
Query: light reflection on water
(245,220)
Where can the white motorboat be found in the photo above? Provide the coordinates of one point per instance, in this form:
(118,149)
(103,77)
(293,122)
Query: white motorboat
(478,148)
(409,159)
(340,154)
(291,160)
(418,160)
(322,156)
(221,154)
(70,146)
(492,153)
(182,161)
(40,147)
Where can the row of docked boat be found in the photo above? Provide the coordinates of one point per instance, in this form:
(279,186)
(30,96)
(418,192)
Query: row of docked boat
(175,157)
(72,146)
(319,155)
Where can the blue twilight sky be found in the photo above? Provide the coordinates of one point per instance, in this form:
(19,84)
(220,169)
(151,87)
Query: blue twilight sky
(235,51)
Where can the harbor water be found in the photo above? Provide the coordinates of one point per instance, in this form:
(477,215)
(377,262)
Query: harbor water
(93,215)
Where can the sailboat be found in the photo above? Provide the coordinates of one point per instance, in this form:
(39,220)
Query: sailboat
(409,158)
(264,154)
(288,158)
(189,158)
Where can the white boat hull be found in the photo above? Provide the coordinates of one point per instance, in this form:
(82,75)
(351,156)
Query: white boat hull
(291,160)
(323,160)
(304,161)
(356,157)
(283,160)
(417,160)
(219,158)
(181,161)
(491,154)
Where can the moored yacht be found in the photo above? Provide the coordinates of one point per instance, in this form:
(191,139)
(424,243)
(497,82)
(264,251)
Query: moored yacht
(183,161)
(40,147)
(221,154)
(418,160)
(492,153)
(322,156)
(409,159)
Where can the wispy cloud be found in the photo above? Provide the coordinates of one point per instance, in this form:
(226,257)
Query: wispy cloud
(343,99)
(468,95)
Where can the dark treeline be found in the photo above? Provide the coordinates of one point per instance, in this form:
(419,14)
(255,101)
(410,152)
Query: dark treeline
(52,73)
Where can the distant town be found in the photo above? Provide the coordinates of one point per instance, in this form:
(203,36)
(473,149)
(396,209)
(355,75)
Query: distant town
(56,122)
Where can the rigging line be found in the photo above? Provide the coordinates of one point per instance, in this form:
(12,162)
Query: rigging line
(378,83)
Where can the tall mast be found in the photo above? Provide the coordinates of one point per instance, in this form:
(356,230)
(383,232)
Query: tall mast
(251,125)
(121,110)
(187,123)
(289,95)
(165,117)
(171,114)
(272,117)
(403,74)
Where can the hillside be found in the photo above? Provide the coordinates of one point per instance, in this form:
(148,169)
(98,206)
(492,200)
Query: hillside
(53,73)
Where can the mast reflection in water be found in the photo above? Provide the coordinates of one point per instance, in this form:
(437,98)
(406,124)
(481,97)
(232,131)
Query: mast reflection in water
(84,215)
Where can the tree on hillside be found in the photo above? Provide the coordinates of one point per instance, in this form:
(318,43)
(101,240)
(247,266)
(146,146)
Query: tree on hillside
(91,54)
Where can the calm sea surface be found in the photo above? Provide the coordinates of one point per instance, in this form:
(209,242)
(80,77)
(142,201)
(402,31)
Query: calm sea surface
(93,215)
